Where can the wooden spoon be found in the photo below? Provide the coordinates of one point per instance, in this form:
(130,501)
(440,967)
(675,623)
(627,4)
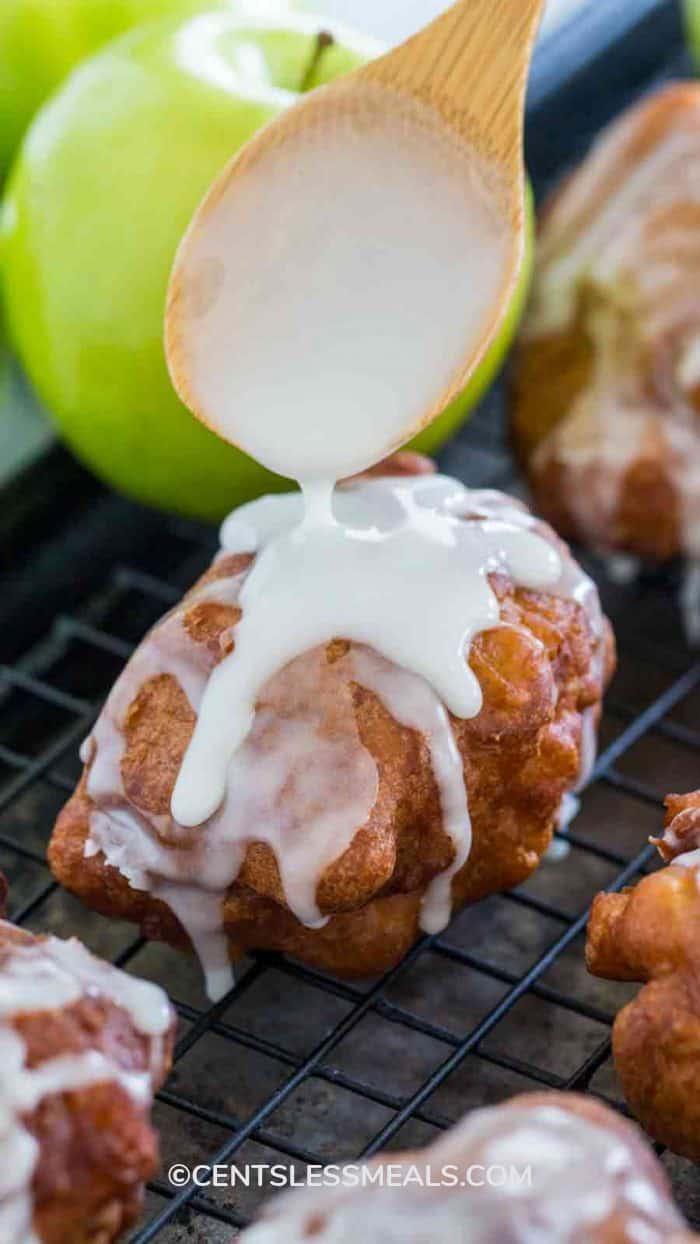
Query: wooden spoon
(462,82)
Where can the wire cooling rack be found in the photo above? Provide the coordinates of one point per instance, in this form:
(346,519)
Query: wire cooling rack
(295,1067)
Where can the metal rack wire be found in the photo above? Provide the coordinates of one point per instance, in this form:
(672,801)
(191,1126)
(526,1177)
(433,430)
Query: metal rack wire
(296,1067)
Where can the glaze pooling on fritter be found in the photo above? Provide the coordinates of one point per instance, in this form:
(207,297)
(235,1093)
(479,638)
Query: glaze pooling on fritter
(296,774)
(402,573)
(46,975)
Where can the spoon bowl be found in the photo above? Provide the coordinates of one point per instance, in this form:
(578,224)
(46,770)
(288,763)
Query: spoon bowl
(348,270)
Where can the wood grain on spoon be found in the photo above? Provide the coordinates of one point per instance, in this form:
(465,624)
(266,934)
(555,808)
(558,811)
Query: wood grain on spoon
(471,64)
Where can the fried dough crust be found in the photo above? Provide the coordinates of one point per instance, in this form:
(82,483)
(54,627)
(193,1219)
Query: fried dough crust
(605,395)
(96,1145)
(650,933)
(539,673)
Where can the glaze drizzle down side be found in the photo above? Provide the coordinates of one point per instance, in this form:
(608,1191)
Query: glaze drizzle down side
(44,975)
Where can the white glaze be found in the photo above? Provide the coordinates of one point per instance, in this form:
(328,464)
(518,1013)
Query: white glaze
(51,973)
(333,291)
(583,237)
(689,859)
(582,1173)
(404,575)
(559,849)
(412,702)
(681,840)
(46,975)
(395,558)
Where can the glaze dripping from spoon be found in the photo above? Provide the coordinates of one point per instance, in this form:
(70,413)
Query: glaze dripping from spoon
(357,258)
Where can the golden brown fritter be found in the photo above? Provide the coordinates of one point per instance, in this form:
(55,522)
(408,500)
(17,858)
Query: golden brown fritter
(606,387)
(553,1167)
(96,1144)
(540,673)
(651,933)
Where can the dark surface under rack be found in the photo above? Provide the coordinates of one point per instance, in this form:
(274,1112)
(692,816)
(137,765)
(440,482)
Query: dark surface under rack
(294,1067)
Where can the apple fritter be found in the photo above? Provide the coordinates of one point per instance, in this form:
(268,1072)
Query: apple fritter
(606,390)
(649,933)
(558,1168)
(542,672)
(84,1047)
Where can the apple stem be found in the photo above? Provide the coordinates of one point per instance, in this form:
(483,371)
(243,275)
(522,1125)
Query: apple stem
(324,39)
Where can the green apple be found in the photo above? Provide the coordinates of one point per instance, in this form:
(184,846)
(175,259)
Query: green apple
(42,40)
(106,182)
(691,12)
(107,179)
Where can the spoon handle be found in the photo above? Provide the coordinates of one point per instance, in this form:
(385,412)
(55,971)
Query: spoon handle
(471,64)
